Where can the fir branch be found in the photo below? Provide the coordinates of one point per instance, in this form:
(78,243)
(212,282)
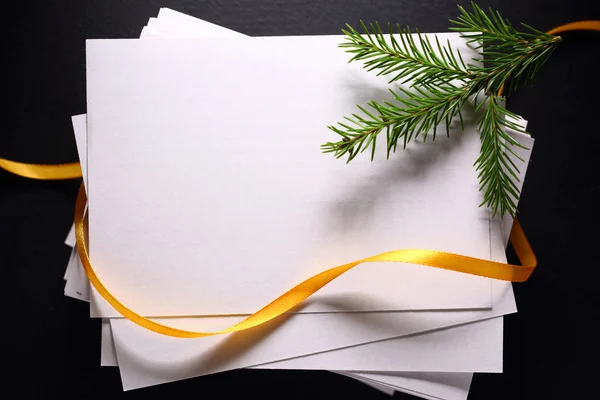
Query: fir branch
(497,172)
(421,111)
(406,56)
(511,56)
(443,82)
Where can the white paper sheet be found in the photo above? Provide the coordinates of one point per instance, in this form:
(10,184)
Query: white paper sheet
(428,385)
(108,354)
(76,285)
(79,123)
(474,347)
(331,212)
(470,347)
(389,390)
(450,386)
(68,268)
(70,239)
(176,24)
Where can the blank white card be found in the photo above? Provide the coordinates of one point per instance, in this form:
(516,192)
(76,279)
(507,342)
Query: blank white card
(207,152)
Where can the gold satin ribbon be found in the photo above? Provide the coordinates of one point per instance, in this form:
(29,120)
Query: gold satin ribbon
(302,291)
(576,26)
(42,171)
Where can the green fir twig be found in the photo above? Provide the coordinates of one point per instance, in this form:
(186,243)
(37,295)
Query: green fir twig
(440,83)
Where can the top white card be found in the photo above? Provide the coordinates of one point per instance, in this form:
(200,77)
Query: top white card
(209,194)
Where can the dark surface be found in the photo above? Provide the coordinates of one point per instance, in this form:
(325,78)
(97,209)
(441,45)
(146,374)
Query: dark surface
(551,345)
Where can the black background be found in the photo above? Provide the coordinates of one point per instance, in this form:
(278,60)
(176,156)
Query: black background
(551,345)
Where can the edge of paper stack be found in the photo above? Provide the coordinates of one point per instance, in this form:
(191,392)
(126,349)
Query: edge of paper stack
(437,362)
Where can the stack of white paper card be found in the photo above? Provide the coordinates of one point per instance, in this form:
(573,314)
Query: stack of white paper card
(209,196)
